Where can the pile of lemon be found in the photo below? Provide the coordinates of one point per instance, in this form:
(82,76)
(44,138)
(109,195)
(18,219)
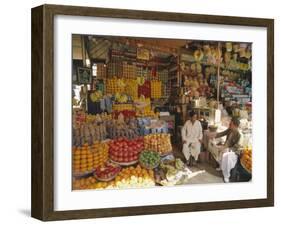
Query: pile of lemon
(133,177)
(91,183)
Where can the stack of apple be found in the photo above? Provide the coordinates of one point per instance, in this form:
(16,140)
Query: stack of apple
(107,172)
(123,150)
(160,142)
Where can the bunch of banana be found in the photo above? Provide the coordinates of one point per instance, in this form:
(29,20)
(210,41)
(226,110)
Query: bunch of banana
(170,171)
(132,88)
(140,80)
(96,96)
(179,164)
(121,83)
(121,98)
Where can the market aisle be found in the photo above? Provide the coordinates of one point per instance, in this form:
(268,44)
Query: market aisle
(209,176)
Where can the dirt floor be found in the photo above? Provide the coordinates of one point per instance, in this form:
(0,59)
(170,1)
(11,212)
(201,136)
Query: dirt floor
(211,175)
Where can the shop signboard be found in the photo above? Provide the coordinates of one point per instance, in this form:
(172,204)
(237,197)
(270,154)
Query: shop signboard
(142,54)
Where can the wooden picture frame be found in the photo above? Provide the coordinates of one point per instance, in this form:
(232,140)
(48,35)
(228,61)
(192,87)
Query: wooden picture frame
(42,203)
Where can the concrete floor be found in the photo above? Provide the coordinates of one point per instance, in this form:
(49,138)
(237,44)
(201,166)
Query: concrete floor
(210,176)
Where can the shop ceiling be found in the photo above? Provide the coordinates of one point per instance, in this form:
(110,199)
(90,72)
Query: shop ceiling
(97,47)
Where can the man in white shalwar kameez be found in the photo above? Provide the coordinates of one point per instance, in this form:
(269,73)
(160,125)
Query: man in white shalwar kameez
(227,154)
(192,137)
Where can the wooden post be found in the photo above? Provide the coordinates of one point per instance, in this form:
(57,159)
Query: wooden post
(179,69)
(218,73)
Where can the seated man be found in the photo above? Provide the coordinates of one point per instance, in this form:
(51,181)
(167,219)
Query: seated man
(191,136)
(227,154)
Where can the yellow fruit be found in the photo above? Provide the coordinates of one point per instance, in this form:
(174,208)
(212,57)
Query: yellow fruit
(83,161)
(83,156)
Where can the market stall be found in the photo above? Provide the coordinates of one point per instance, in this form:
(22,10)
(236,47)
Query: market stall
(137,94)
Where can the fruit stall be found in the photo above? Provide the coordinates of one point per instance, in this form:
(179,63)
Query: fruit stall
(131,96)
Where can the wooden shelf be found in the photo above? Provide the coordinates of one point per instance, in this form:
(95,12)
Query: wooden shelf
(173,69)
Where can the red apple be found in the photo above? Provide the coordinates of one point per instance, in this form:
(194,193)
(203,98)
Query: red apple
(120,153)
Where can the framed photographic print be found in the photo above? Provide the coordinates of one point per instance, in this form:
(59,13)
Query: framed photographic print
(141,112)
(84,75)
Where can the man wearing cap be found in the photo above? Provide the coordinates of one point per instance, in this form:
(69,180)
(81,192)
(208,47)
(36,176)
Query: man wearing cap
(192,137)
(227,154)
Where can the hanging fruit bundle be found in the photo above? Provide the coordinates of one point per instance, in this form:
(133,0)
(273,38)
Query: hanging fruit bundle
(143,107)
(144,87)
(115,85)
(155,89)
(131,88)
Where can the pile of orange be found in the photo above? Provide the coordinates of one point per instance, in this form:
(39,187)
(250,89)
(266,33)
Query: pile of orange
(89,157)
(100,153)
(130,177)
(246,159)
(83,183)
(82,159)
(91,183)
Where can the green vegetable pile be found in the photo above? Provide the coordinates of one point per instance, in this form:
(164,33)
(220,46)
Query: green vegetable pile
(172,168)
(149,159)
(179,164)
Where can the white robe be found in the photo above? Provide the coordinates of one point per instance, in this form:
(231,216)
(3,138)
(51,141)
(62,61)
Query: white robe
(226,158)
(228,162)
(191,134)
